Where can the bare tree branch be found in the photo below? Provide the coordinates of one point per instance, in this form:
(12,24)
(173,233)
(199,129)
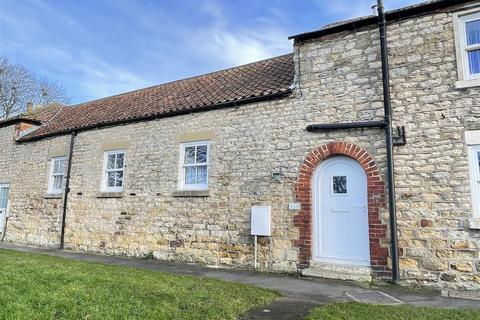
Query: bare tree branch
(19,86)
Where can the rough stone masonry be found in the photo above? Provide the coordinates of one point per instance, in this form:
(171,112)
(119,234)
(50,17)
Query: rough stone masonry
(337,79)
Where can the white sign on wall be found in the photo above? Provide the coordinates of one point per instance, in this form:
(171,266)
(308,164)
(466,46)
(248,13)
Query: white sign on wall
(260,221)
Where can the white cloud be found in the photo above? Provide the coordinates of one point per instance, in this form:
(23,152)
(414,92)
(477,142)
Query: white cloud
(100,78)
(235,48)
(239,45)
(160,47)
(95,77)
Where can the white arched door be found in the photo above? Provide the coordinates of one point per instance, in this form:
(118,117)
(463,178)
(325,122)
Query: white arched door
(341,213)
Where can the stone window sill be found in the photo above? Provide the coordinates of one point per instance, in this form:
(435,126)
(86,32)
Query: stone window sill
(109,195)
(53,196)
(474,224)
(463,84)
(191,193)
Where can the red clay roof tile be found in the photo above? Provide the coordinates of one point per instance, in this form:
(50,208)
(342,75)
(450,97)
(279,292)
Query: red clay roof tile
(258,80)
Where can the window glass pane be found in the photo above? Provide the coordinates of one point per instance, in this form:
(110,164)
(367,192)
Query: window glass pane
(3,197)
(190,173)
(119,162)
(111,179)
(478,158)
(111,161)
(202,175)
(339,184)
(202,154)
(189,155)
(119,178)
(56,166)
(474,61)
(62,166)
(57,182)
(473,32)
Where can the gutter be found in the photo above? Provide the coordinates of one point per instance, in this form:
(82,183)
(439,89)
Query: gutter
(67,190)
(346,125)
(216,106)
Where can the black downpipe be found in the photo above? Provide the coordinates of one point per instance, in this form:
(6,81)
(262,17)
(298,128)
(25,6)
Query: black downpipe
(67,190)
(382,26)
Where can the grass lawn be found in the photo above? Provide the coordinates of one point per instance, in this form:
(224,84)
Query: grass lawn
(43,287)
(354,310)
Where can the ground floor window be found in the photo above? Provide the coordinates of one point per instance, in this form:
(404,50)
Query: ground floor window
(114,171)
(57,175)
(474,155)
(194,165)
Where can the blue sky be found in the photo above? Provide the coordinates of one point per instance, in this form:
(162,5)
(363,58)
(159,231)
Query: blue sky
(97,48)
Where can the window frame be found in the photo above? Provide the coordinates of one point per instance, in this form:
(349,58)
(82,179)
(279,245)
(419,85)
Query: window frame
(460,19)
(182,185)
(105,171)
(52,175)
(474,167)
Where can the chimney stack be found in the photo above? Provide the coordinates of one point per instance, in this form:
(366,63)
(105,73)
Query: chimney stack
(29,106)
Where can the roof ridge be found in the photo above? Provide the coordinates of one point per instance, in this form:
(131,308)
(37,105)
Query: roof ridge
(60,109)
(403,12)
(180,80)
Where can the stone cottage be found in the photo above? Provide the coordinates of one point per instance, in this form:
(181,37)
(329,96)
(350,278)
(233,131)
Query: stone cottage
(175,169)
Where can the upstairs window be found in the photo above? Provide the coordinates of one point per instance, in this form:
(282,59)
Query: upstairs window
(194,165)
(467,37)
(57,175)
(472,48)
(114,171)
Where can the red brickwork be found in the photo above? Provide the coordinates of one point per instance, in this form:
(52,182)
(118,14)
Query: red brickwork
(19,128)
(376,201)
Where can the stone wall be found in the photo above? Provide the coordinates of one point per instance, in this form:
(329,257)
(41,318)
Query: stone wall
(433,188)
(34,217)
(432,176)
(338,79)
(251,142)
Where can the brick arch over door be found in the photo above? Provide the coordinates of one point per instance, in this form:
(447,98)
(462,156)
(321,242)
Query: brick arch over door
(376,201)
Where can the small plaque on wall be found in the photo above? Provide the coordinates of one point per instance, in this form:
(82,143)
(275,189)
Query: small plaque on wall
(294,206)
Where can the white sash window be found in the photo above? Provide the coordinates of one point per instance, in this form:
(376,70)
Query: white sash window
(194,165)
(114,171)
(57,175)
(467,40)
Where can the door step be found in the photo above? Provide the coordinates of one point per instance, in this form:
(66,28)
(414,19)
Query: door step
(338,271)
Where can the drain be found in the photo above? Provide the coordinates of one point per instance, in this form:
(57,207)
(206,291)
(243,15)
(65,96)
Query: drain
(373,297)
